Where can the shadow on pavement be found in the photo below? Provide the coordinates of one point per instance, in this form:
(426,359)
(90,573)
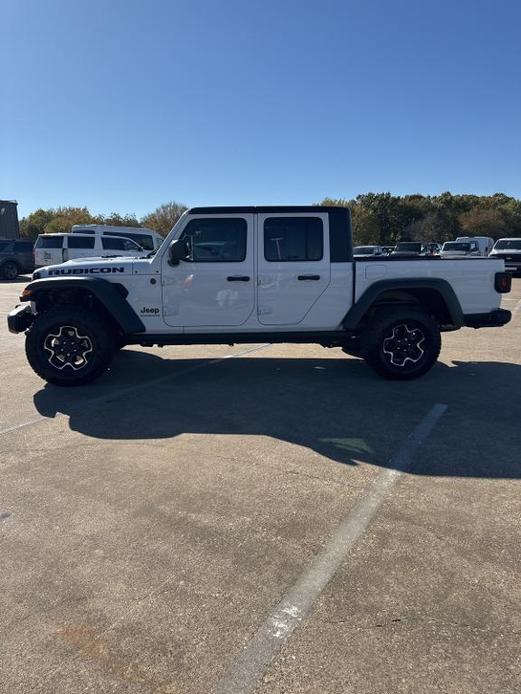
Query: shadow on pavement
(334,406)
(21,279)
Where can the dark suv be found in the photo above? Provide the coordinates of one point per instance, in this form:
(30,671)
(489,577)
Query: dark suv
(16,257)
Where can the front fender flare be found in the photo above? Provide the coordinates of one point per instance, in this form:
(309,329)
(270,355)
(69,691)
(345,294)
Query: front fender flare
(111,295)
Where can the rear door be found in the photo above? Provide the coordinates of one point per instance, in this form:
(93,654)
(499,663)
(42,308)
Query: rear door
(79,247)
(24,255)
(293,265)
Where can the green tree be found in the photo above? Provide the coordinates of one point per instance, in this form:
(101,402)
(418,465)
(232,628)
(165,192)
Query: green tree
(34,224)
(163,218)
(118,220)
(65,217)
(484,222)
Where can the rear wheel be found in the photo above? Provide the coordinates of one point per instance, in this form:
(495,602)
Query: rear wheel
(68,346)
(9,270)
(401,343)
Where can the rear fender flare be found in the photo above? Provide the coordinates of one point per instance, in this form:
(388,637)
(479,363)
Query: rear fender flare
(371,295)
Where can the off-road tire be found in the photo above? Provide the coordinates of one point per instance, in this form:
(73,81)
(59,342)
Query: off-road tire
(401,343)
(9,270)
(68,346)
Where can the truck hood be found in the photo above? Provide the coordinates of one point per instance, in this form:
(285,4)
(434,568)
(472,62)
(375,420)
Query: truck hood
(96,267)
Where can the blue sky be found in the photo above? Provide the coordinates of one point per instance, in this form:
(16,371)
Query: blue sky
(124,105)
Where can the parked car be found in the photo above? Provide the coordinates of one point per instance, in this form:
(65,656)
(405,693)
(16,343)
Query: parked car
(485,243)
(431,248)
(510,251)
(460,249)
(148,239)
(16,258)
(387,250)
(367,251)
(51,249)
(278,275)
(412,249)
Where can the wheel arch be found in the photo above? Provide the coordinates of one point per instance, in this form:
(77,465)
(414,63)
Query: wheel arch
(435,295)
(109,297)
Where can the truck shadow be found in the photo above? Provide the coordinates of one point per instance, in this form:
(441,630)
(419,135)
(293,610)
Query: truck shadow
(333,406)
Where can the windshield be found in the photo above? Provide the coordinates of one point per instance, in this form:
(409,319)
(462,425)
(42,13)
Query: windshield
(404,246)
(364,250)
(508,244)
(456,246)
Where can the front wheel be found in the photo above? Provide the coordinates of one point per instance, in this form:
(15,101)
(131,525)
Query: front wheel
(68,346)
(401,344)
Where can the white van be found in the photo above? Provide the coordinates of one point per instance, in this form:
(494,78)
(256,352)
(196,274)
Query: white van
(485,243)
(148,239)
(51,249)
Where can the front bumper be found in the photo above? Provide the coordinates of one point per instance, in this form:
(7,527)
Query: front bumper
(512,261)
(513,265)
(19,319)
(493,319)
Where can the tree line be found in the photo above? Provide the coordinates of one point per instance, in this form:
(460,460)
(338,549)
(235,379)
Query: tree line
(378,218)
(61,219)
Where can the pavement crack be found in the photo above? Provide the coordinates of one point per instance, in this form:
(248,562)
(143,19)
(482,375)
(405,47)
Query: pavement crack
(422,620)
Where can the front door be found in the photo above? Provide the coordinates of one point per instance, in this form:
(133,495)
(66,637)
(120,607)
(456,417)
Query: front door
(215,285)
(293,265)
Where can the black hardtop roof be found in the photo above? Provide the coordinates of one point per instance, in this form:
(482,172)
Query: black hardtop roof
(273,208)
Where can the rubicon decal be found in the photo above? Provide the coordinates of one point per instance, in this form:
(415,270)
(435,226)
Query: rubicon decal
(85,270)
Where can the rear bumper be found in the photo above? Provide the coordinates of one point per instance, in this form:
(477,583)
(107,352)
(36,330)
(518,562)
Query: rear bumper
(19,319)
(494,319)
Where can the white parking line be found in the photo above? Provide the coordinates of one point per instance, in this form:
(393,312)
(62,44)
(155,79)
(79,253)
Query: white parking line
(245,674)
(110,397)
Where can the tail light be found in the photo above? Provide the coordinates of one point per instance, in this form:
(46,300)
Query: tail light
(503,282)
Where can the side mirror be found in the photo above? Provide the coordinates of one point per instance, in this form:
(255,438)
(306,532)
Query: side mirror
(178,251)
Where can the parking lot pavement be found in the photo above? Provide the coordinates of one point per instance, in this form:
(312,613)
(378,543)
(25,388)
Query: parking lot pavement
(151,523)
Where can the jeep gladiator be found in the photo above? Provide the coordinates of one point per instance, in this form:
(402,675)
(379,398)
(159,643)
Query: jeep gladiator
(255,274)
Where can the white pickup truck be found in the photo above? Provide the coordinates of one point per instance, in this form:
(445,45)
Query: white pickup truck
(255,274)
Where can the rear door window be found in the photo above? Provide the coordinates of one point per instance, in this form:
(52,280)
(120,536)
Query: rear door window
(117,244)
(293,239)
(23,247)
(143,240)
(80,242)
